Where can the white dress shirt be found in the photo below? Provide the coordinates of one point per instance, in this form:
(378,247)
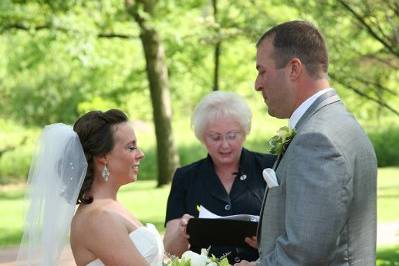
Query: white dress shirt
(298,113)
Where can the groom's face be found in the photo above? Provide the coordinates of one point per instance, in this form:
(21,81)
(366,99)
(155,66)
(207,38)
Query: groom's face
(273,82)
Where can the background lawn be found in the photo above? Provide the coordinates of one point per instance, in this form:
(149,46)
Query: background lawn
(149,204)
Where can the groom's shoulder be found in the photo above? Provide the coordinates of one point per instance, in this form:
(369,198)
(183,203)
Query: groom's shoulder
(339,127)
(333,118)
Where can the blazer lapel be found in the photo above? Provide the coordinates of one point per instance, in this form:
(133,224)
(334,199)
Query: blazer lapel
(213,184)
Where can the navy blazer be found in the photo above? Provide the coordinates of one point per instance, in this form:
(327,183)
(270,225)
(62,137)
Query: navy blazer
(198,184)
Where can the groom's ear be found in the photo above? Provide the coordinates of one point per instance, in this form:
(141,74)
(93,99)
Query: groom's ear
(295,68)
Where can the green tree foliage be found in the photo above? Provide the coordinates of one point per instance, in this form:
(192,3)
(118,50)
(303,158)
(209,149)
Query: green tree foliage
(363,37)
(92,50)
(60,58)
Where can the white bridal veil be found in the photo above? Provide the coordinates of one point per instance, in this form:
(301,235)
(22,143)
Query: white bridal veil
(55,178)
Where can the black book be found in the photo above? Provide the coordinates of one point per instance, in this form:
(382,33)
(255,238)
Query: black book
(224,231)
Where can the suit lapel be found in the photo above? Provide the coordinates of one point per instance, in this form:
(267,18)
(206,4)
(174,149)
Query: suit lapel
(325,99)
(277,161)
(258,230)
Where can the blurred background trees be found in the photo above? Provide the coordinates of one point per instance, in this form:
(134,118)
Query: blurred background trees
(156,59)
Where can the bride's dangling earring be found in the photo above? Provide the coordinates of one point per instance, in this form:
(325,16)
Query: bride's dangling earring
(105,173)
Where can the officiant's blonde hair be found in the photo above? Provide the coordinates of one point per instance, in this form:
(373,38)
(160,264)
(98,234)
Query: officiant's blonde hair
(217,105)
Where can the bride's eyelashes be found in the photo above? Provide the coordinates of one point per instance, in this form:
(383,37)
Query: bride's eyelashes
(132,148)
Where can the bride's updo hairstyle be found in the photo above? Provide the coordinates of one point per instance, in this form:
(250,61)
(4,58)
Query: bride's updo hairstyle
(96,134)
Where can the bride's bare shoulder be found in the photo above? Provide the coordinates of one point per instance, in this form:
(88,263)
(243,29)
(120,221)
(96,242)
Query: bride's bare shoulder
(100,215)
(95,214)
(93,225)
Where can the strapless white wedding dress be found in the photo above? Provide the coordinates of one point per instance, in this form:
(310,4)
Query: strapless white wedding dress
(148,242)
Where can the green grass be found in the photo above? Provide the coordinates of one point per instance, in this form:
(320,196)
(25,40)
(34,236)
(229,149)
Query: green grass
(388,255)
(11,213)
(149,204)
(387,205)
(388,194)
(146,202)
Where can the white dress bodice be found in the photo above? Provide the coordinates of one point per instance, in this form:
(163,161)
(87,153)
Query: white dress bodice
(148,242)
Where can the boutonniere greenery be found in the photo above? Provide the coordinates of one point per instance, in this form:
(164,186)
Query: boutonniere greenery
(279,143)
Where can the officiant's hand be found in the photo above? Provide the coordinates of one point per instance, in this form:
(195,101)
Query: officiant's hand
(245,263)
(252,241)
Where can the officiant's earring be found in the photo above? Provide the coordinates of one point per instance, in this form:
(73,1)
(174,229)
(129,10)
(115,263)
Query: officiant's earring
(105,173)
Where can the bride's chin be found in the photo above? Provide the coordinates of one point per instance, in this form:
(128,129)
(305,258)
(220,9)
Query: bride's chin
(133,178)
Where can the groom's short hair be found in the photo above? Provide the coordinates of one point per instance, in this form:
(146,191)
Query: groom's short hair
(299,39)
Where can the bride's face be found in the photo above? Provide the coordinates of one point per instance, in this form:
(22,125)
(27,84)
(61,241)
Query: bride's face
(124,159)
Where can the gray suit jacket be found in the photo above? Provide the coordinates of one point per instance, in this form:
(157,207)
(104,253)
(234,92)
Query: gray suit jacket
(324,210)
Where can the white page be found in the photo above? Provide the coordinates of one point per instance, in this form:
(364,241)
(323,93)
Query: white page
(205,213)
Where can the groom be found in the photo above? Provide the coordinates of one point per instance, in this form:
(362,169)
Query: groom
(324,210)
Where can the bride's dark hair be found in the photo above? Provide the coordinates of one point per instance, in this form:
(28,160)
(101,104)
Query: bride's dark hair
(97,138)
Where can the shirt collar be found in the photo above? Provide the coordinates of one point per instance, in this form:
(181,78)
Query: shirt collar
(298,113)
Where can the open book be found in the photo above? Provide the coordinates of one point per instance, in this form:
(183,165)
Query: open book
(210,229)
(205,213)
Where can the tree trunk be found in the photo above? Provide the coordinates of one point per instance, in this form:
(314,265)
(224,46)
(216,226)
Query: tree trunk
(157,73)
(217,66)
(217,51)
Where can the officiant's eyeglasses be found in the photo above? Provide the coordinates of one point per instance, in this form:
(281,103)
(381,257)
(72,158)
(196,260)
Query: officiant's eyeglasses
(229,136)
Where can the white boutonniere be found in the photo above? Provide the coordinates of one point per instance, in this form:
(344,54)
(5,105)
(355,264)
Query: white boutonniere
(278,144)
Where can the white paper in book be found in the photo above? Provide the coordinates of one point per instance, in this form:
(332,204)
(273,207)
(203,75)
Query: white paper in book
(205,213)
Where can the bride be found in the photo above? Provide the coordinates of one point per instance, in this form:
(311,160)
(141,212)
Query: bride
(87,165)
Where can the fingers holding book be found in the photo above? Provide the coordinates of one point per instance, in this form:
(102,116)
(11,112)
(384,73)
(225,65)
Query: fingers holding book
(183,225)
(252,241)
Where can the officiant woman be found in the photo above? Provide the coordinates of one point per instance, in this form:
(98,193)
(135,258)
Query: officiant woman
(228,181)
